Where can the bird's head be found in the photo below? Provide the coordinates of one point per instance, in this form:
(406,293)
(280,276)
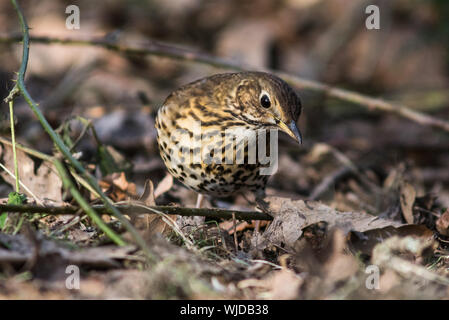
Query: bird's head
(268,101)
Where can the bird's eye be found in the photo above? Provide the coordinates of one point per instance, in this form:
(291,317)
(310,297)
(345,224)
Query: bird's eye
(265,101)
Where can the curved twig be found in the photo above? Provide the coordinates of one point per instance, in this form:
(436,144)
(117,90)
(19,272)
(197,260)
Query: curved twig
(157,48)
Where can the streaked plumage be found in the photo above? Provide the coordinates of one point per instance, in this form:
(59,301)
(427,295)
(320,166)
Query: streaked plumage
(237,101)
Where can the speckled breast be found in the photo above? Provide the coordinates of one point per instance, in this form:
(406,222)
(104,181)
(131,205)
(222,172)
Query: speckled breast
(205,160)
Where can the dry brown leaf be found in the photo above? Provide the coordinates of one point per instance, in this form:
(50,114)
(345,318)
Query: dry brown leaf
(44,183)
(293,216)
(279,285)
(338,264)
(240,226)
(327,266)
(22,250)
(365,242)
(284,285)
(163,186)
(408,195)
(442,223)
(147,196)
(151,223)
(121,182)
(77,235)
(388,280)
(118,187)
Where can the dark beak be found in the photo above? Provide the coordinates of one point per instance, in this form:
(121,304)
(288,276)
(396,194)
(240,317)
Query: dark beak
(294,129)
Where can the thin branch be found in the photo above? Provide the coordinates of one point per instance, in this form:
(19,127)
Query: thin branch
(152,47)
(21,183)
(136,208)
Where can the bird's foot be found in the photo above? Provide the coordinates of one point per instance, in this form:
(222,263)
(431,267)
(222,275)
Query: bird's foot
(263,205)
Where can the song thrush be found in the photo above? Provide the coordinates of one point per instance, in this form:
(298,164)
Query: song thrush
(196,121)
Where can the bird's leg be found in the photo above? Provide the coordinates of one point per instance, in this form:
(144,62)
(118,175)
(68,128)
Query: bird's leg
(199,201)
(251,203)
(261,203)
(236,245)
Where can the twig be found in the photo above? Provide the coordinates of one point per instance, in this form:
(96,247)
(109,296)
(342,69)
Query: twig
(328,182)
(348,167)
(86,127)
(170,222)
(137,208)
(220,213)
(152,47)
(21,183)
(384,256)
(13,140)
(73,221)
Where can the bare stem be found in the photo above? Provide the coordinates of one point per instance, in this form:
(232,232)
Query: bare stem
(136,208)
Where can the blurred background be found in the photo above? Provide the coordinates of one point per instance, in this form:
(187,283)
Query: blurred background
(405,61)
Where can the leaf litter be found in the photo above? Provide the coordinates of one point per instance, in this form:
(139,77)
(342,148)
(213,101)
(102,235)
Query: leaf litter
(309,250)
(378,184)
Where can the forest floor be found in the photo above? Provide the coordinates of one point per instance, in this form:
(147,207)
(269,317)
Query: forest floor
(360,210)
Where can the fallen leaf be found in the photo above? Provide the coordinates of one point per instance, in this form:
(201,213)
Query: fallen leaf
(364,242)
(118,187)
(407,199)
(328,266)
(43,182)
(279,285)
(151,224)
(338,265)
(291,216)
(442,223)
(228,225)
(20,250)
(121,182)
(163,186)
(147,196)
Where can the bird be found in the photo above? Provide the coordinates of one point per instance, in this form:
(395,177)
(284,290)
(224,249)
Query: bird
(198,121)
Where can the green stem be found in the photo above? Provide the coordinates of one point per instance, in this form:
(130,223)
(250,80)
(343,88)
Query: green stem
(20,85)
(69,185)
(19,225)
(13,139)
